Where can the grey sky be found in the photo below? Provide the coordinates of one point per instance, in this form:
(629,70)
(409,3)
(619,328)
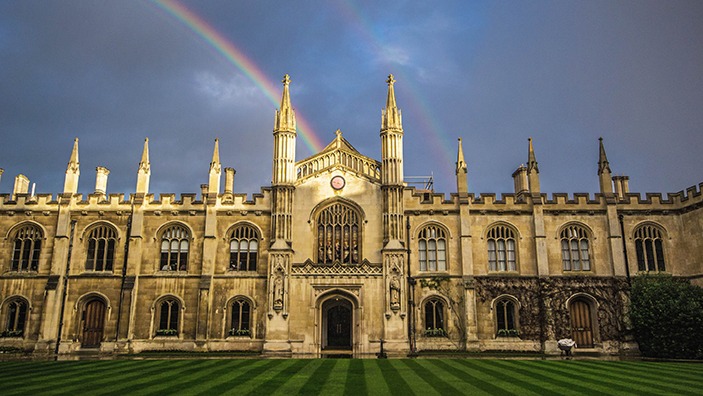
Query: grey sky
(494,73)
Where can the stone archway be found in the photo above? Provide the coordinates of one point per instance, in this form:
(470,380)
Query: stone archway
(337,324)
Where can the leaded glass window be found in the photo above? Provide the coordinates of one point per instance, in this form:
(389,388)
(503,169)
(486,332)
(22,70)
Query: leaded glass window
(101,248)
(174,248)
(26,249)
(432,249)
(649,248)
(501,249)
(243,248)
(338,235)
(575,248)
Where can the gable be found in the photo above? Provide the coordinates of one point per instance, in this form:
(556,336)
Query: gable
(339,154)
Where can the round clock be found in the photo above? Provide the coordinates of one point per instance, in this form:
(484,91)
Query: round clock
(338,182)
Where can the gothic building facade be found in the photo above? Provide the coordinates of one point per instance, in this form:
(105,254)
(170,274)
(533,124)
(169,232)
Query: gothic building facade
(338,255)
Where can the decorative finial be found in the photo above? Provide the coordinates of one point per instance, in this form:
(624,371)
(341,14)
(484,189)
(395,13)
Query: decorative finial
(286,80)
(338,133)
(390,80)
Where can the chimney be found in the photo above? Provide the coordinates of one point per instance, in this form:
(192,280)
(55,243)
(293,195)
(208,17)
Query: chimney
(622,187)
(204,188)
(1,172)
(520,180)
(101,180)
(229,180)
(21,186)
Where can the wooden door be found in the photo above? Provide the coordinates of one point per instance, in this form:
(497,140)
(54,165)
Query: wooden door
(339,327)
(581,327)
(93,324)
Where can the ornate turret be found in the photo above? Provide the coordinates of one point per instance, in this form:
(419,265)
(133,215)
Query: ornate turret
(284,137)
(604,174)
(144,172)
(70,184)
(462,185)
(215,170)
(284,140)
(532,169)
(392,169)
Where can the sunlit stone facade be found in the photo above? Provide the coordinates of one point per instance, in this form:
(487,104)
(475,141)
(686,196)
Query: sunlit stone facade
(337,254)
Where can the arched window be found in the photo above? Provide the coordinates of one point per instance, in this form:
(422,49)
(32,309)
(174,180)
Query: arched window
(101,248)
(432,244)
(27,245)
(241,318)
(16,317)
(434,318)
(168,317)
(243,248)
(506,313)
(174,248)
(574,248)
(501,249)
(649,248)
(338,235)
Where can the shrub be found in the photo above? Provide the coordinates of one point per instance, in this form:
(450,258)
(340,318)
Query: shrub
(667,317)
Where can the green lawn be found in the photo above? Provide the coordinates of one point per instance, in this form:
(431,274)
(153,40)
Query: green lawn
(350,376)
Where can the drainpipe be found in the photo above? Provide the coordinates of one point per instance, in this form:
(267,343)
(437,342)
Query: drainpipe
(624,248)
(411,294)
(124,273)
(65,288)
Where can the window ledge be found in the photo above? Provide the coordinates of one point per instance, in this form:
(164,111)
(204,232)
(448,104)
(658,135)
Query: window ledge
(20,274)
(171,273)
(502,273)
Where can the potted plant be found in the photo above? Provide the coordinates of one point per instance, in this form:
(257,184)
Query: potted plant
(166,332)
(239,332)
(439,332)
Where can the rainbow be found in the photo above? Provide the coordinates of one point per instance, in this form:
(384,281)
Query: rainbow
(440,143)
(235,56)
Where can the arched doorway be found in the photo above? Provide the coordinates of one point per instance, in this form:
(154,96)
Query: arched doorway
(581,323)
(93,323)
(337,319)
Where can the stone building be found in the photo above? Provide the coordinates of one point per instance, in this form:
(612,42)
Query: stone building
(337,254)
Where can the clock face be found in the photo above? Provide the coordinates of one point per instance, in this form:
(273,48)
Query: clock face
(338,182)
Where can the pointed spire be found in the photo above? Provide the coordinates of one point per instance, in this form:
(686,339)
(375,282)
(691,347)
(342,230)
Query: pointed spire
(531,159)
(285,116)
(532,169)
(285,100)
(215,170)
(460,163)
(73,162)
(144,171)
(215,155)
(391,118)
(144,163)
(462,184)
(604,179)
(70,185)
(603,165)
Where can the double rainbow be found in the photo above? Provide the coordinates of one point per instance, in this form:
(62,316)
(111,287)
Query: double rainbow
(235,56)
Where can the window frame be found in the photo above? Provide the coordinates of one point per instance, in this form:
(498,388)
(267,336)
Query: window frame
(501,241)
(244,232)
(165,325)
(571,241)
(236,326)
(650,255)
(338,234)
(432,247)
(434,314)
(27,241)
(507,316)
(15,320)
(109,235)
(173,258)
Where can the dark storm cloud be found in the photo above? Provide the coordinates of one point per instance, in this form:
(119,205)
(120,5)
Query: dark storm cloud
(113,73)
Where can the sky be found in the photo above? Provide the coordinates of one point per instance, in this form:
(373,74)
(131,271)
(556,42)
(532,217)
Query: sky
(494,73)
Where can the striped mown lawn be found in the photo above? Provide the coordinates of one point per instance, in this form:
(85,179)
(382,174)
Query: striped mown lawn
(350,377)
